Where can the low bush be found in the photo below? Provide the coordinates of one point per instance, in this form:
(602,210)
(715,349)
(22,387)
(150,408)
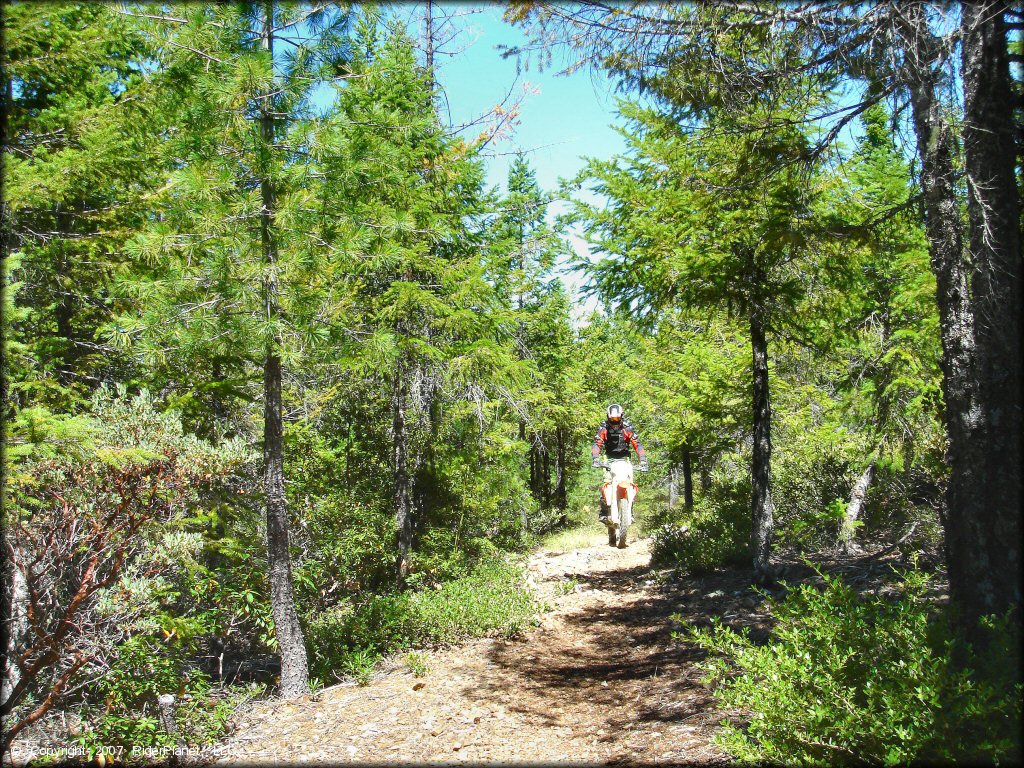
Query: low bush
(417,663)
(98,504)
(713,536)
(201,716)
(492,599)
(854,679)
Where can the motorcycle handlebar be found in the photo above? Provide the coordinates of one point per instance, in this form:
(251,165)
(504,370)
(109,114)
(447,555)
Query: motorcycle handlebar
(603,465)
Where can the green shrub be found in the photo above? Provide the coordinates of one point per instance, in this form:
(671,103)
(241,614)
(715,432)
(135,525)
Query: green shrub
(358,663)
(100,518)
(201,716)
(417,663)
(811,480)
(491,599)
(122,710)
(860,680)
(712,537)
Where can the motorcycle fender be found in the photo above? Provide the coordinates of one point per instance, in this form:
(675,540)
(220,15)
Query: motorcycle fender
(631,492)
(608,491)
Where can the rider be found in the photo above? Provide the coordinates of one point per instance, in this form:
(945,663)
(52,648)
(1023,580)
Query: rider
(615,436)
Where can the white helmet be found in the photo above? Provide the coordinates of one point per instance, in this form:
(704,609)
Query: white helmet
(615,412)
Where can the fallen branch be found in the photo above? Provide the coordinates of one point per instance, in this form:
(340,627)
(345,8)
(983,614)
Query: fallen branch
(895,545)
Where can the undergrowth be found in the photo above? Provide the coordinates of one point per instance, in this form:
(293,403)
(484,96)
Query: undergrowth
(491,600)
(859,679)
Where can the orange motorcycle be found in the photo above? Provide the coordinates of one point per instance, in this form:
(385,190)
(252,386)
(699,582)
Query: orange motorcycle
(619,491)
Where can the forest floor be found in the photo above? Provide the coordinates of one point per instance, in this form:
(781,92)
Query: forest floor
(599,681)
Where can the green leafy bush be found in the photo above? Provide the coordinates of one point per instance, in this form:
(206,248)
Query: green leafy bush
(491,599)
(855,679)
(96,525)
(201,716)
(417,663)
(713,536)
(358,663)
(813,469)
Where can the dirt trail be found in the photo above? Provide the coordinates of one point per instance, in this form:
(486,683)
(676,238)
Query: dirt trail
(599,681)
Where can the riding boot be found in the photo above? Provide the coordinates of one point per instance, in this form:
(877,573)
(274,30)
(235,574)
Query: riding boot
(604,514)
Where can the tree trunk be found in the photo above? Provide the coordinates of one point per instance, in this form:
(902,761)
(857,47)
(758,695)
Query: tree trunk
(854,509)
(535,472)
(560,470)
(687,479)
(402,476)
(429,19)
(524,518)
(762,511)
(15,619)
(673,491)
(982,553)
(984,536)
(294,667)
(545,478)
(424,463)
(64,312)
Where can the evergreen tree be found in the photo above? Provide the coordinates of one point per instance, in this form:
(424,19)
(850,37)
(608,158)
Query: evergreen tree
(78,171)
(402,195)
(235,279)
(728,220)
(523,254)
(888,295)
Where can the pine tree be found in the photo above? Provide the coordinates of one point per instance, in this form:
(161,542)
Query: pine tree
(888,299)
(402,196)
(522,256)
(228,273)
(78,169)
(720,217)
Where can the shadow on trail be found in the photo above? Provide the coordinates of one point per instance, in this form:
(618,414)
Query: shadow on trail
(610,662)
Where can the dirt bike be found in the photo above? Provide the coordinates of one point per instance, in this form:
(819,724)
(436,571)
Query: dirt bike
(619,490)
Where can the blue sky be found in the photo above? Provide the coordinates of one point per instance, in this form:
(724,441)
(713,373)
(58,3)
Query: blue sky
(561,117)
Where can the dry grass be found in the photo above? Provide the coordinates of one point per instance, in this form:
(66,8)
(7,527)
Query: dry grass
(591,535)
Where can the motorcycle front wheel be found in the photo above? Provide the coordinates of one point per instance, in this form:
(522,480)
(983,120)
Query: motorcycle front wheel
(625,520)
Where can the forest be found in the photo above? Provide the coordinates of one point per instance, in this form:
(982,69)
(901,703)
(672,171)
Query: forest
(290,392)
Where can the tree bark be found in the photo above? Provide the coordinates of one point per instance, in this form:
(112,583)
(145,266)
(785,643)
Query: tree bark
(15,619)
(524,517)
(429,19)
(983,560)
(545,478)
(535,472)
(403,478)
(985,564)
(294,666)
(762,510)
(560,469)
(673,490)
(944,226)
(687,479)
(854,509)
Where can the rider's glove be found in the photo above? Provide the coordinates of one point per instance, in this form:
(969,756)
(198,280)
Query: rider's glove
(596,463)
(644,466)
